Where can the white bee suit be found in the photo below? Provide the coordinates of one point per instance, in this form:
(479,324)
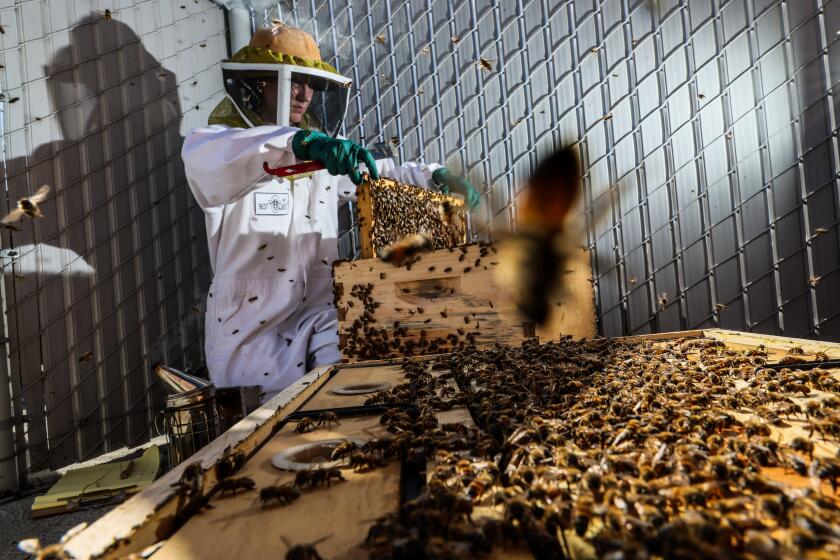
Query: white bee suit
(270,313)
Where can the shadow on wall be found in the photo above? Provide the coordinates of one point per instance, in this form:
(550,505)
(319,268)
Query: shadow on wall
(99,273)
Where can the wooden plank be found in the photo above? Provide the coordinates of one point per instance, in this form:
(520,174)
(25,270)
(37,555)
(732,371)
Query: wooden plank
(439,296)
(392,374)
(238,527)
(141,521)
(674,335)
(783,343)
(364,207)
(574,311)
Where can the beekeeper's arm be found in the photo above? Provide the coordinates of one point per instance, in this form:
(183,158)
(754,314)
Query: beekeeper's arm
(224,164)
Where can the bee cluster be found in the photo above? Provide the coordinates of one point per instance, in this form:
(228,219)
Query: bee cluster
(399,210)
(367,341)
(620,450)
(368,337)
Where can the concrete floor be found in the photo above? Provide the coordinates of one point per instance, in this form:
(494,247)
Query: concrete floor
(16,524)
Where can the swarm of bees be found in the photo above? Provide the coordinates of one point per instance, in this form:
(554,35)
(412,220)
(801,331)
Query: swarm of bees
(401,211)
(619,450)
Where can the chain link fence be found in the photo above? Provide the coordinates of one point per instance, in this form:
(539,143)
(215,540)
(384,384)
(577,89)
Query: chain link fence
(707,130)
(97,99)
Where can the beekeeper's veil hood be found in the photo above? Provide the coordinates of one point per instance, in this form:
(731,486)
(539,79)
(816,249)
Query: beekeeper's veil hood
(279,78)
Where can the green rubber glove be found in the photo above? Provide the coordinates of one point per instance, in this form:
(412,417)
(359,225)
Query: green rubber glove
(447,182)
(340,157)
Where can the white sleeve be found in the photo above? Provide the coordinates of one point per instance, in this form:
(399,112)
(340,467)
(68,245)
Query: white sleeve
(224,164)
(418,174)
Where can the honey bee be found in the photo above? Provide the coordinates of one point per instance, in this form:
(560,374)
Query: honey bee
(406,249)
(343,450)
(28,206)
(364,461)
(327,419)
(486,64)
(108,15)
(447,212)
(234,484)
(534,256)
(584,507)
(283,494)
(305,425)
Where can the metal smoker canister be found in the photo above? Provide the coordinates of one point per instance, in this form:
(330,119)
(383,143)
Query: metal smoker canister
(191,418)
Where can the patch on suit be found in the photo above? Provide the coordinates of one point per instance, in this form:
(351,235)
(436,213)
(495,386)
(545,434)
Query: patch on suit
(271,204)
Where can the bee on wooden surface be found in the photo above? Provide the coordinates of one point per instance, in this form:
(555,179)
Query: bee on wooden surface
(327,419)
(305,425)
(364,461)
(28,206)
(229,464)
(303,551)
(234,484)
(407,248)
(316,477)
(342,450)
(283,494)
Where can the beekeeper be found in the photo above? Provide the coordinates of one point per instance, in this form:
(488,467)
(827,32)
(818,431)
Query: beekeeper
(270,315)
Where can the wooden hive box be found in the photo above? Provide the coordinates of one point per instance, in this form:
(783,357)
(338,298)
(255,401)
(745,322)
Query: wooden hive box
(448,299)
(338,517)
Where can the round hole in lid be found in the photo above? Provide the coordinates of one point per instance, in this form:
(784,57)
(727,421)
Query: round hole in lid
(315,455)
(361,388)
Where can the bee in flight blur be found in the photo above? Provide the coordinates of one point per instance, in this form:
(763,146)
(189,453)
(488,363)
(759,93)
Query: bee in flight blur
(406,249)
(533,257)
(27,206)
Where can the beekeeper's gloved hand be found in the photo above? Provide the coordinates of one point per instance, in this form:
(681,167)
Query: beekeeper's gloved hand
(340,157)
(447,182)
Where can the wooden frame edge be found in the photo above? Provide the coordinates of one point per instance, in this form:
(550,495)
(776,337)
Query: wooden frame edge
(137,523)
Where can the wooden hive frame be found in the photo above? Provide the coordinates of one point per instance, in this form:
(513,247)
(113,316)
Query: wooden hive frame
(369,218)
(147,518)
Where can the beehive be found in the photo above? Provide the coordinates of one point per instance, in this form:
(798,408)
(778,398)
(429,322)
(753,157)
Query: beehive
(339,518)
(389,211)
(448,299)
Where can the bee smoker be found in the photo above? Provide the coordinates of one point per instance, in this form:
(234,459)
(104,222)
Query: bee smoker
(190,416)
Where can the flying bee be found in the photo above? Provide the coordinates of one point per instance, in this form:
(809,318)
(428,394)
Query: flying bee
(406,249)
(533,258)
(303,551)
(447,212)
(108,15)
(28,206)
(486,63)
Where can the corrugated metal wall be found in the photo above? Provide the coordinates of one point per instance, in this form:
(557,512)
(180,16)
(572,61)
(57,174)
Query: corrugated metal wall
(111,279)
(708,130)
